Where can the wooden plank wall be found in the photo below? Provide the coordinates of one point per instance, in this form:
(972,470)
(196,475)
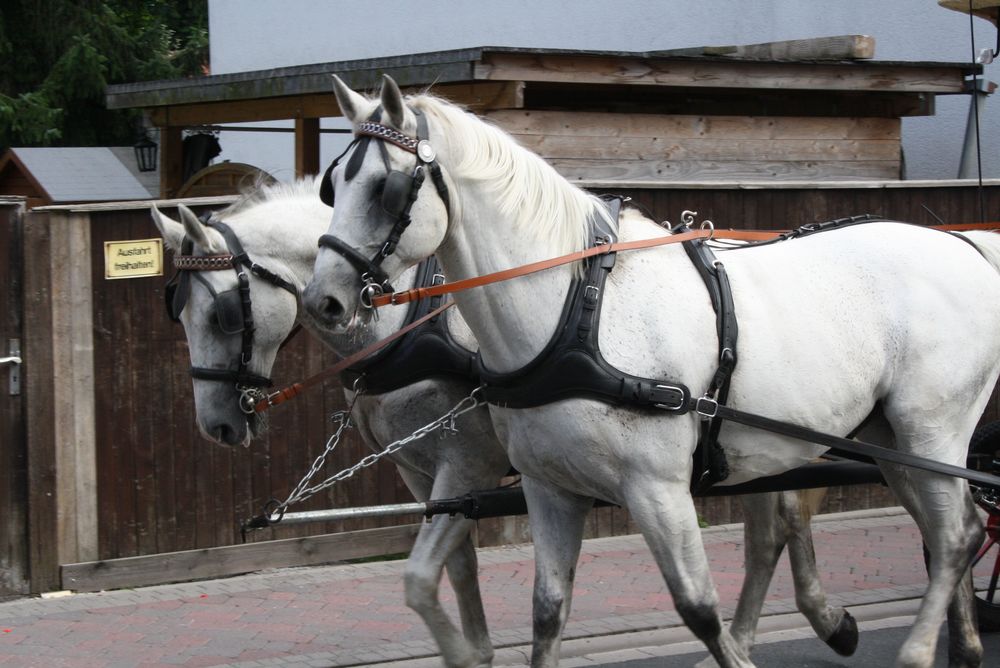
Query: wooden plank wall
(597,146)
(14,566)
(161,486)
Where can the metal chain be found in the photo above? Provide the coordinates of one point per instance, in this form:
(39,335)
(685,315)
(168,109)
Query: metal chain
(302,491)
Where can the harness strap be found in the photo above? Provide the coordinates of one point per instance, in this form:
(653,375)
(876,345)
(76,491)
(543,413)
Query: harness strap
(843,447)
(709,458)
(240,256)
(429,351)
(362,264)
(534,267)
(603,249)
(295,389)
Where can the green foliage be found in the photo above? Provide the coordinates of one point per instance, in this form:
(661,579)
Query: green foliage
(57,57)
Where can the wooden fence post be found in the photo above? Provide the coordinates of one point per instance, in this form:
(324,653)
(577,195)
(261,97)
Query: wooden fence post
(59,378)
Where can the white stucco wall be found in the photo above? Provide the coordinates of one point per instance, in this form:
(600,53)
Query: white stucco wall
(262,34)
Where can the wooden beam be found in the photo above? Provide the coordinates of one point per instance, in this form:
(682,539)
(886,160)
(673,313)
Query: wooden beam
(171,161)
(306,147)
(593,69)
(235,559)
(839,47)
(599,124)
(480,96)
(39,390)
(74,396)
(653,171)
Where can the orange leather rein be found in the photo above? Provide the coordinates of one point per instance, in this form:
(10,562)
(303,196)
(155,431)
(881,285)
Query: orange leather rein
(406,296)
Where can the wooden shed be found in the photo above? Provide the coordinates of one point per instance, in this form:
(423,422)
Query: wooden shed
(65,175)
(810,110)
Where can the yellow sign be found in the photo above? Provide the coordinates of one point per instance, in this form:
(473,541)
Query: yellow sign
(133,259)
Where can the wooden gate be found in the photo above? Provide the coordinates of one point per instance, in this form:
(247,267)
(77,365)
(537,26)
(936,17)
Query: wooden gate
(14,571)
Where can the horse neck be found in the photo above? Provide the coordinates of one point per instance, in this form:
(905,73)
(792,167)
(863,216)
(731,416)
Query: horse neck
(511,320)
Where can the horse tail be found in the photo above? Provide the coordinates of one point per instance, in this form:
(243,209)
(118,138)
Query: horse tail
(987,243)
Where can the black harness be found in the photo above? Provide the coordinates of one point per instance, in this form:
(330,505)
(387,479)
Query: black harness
(571,364)
(233,308)
(426,352)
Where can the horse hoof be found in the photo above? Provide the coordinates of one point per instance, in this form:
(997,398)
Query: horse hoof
(844,639)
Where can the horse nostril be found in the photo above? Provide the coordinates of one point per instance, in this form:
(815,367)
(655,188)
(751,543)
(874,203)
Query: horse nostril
(331,309)
(226,434)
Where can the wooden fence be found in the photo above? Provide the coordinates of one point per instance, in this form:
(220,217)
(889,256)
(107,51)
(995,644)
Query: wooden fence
(121,488)
(14,570)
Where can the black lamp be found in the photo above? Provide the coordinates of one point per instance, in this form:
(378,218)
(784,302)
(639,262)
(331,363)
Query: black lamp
(145,153)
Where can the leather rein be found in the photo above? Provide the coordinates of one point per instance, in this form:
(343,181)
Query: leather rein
(404,296)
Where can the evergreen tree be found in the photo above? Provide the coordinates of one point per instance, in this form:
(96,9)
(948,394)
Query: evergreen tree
(57,57)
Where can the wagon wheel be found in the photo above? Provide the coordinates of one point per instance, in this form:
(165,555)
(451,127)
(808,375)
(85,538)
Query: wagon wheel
(984,455)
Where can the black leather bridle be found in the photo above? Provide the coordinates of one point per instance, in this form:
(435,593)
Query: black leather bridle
(398,195)
(233,308)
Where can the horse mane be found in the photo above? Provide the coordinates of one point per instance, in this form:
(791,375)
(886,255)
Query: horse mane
(262,191)
(529,190)
(277,240)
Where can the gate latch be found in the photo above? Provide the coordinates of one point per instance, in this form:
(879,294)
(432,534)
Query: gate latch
(14,360)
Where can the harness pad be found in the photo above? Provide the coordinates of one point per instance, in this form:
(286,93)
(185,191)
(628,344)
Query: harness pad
(571,364)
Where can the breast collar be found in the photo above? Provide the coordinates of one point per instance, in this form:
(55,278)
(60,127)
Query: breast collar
(429,351)
(571,364)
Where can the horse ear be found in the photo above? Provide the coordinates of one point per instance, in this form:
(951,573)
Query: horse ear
(351,104)
(392,102)
(171,231)
(199,233)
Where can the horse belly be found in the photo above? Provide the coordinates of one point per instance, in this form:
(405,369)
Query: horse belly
(593,449)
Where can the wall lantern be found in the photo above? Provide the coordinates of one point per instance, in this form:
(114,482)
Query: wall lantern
(145,153)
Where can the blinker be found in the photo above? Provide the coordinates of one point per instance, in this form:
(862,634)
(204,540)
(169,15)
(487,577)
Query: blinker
(396,194)
(229,311)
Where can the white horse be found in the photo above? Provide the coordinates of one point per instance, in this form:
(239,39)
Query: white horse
(884,320)
(278,229)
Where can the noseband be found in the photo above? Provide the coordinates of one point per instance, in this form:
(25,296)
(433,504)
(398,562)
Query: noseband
(398,196)
(233,308)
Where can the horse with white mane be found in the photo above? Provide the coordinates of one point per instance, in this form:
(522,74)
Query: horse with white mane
(884,322)
(277,226)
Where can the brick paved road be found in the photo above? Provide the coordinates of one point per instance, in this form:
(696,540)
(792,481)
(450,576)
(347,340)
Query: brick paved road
(350,615)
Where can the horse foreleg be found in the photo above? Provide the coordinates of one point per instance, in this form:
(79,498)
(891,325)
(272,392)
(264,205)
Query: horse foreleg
(556,519)
(946,516)
(665,513)
(446,540)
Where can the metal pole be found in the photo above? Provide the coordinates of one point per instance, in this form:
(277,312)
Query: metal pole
(336,514)
(968,166)
(510,501)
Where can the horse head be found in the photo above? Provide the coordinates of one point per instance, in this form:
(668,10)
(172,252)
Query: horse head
(234,320)
(392,206)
